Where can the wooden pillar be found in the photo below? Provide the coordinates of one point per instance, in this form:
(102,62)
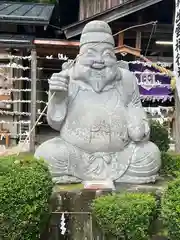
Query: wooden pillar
(138,39)
(39,96)
(177,122)
(13,130)
(33,98)
(138,34)
(121,39)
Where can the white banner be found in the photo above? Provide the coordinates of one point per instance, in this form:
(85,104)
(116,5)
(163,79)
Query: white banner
(176,46)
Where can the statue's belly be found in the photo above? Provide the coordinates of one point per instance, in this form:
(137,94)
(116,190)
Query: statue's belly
(96,122)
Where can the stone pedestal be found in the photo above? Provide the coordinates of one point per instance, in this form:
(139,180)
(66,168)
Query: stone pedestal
(76,206)
(157,188)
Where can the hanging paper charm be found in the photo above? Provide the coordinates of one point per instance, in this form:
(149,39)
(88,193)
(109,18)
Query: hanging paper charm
(62,224)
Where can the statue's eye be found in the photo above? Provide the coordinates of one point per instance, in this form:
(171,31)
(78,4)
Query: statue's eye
(90,53)
(108,54)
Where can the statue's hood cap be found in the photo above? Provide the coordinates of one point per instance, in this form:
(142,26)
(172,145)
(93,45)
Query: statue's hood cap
(96,31)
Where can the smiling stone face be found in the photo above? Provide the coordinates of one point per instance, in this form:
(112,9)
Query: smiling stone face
(96,64)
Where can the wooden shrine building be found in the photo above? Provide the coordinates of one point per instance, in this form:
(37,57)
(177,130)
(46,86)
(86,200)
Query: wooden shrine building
(30,52)
(121,14)
(36,39)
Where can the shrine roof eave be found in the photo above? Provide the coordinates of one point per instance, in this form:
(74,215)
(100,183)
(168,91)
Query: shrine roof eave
(25,13)
(109,15)
(15,41)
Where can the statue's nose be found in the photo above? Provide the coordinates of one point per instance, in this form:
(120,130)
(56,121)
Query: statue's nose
(99,60)
(98,63)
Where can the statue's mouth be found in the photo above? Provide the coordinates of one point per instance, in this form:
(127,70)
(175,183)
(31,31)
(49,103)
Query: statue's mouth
(98,65)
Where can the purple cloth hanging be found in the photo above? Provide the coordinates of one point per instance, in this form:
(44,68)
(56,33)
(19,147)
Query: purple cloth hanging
(151,84)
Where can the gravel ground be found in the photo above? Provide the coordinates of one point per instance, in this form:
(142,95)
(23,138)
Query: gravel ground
(13,150)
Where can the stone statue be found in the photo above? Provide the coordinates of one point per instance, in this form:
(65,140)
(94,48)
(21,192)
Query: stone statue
(97,110)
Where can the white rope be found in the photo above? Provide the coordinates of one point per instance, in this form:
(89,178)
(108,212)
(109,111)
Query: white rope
(36,123)
(149,64)
(14,122)
(14,135)
(20,113)
(60,56)
(8,91)
(14,65)
(21,101)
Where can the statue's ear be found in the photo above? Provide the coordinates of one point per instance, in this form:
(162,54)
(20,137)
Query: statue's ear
(119,73)
(123,64)
(77,57)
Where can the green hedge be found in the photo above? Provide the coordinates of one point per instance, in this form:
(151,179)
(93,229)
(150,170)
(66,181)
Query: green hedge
(25,191)
(127,216)
(159,135)
(170,208)
(170,164)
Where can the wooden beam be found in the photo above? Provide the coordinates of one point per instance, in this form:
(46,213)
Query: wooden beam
(46,47)
(127,49)
(62,43)
(110,15)
(54,50)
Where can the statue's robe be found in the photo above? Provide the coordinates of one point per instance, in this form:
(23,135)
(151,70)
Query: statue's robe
(102,135)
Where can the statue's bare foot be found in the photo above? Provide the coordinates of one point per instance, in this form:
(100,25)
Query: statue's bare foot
(66,180)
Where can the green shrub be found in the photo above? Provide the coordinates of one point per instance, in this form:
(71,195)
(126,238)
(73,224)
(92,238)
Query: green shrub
(159,135)
(25,190)
(126,216)
(170,209)
(170,164)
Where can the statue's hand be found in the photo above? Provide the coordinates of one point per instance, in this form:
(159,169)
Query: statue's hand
(136,131)
(59,82)
(138,126)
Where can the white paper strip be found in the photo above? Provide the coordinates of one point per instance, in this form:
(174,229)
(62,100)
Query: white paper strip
(150,73)
(19,57)
(21,101)
(159,111)
(63,224)
(19,113)
(13,65)
(156,98)
(149,64)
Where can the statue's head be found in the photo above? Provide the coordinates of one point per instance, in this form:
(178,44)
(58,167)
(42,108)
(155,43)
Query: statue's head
(96,63)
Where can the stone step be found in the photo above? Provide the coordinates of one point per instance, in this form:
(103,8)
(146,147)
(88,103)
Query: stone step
(75,202)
